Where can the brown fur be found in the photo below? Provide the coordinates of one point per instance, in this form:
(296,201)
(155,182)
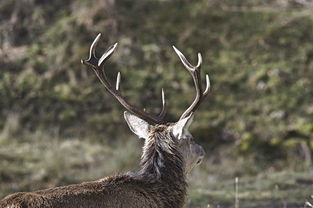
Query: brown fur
(160,183)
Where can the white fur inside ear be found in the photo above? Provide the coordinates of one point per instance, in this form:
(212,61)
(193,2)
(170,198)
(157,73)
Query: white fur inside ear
(137,125)
(182,126)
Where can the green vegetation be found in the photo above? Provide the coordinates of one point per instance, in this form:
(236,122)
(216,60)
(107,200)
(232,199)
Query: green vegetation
(59,126)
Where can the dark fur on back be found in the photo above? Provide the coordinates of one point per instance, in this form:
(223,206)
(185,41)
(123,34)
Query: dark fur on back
(160,183)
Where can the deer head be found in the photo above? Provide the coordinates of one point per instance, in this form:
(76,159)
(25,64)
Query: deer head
(144,125)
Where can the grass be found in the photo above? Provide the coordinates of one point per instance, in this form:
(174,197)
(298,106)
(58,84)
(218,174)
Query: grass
(34,161)
(278,189)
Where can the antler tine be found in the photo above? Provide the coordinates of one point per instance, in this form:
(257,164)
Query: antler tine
(92,59)
(186,62)
(164,106)
(207,86)
(106,55)
(118,81)
(195,73)
(96,65)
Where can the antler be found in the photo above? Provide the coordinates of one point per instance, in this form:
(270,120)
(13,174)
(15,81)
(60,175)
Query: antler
(195,73)
(96,65)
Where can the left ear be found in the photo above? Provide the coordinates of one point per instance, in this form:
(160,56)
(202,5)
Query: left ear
(137,125)
(181,126)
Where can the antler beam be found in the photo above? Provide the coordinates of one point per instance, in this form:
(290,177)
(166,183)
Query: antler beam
(195,73)
(96,65)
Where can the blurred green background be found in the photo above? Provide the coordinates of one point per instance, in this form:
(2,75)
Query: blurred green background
(59,126)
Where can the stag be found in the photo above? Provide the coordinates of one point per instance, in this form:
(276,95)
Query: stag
(169,153)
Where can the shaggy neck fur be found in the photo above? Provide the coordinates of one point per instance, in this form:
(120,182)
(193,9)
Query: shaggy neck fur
(162,163)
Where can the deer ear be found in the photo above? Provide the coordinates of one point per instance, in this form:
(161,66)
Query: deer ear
(182,126)
(137,125)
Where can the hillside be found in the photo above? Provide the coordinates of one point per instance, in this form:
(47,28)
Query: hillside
(258,117)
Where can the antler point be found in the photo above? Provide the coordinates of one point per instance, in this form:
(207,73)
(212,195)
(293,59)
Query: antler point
(118,81)
(207,79)
(208,85)
(163,97)
(199,60)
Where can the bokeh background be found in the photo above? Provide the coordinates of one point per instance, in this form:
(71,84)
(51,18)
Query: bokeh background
(59,125)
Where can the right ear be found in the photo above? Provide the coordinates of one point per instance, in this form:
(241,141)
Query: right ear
(137,125)
(182,126)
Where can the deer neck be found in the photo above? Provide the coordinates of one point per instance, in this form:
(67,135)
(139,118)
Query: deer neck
(161,158)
